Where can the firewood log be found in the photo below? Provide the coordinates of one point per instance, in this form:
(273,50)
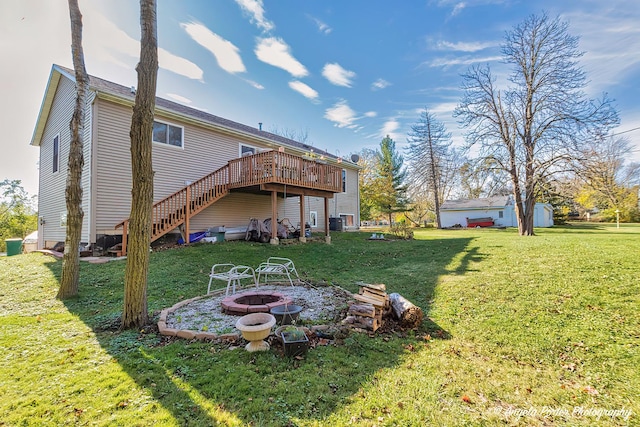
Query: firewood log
(409,314)
(366,310)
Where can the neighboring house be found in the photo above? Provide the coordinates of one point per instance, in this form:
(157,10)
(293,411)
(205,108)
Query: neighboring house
(225,172)
(500,208)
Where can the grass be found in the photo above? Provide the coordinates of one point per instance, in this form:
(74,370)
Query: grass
(521,331)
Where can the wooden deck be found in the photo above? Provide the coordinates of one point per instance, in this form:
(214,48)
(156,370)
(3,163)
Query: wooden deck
(265,173)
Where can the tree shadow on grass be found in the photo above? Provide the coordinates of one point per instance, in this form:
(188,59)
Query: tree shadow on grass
(202,383)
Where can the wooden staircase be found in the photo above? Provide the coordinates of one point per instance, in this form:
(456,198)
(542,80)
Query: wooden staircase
(258,170)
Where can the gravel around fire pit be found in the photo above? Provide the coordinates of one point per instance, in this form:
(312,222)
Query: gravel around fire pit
(321,304)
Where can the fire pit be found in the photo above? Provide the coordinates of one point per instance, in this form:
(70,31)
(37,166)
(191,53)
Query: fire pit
(253,302)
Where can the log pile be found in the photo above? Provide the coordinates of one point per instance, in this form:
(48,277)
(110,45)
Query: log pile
(373,305)
(372,302)
(409,315)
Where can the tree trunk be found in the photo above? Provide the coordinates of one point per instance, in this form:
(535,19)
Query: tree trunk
(135,280)
(73,191)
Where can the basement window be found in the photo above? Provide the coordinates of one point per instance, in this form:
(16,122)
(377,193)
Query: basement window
(165,133)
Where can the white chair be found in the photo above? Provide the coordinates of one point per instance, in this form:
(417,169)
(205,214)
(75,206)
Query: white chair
(277,266)
(232,274)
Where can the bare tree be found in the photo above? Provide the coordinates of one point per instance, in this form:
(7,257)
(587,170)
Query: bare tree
(428,155)
(534,125)
(135,280)
(482,178)
(71,259)
(301,135)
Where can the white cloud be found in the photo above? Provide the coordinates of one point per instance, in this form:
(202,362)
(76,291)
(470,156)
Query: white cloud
(341,115)
(179,65)
(389,127)
(107,42)
(304,89)
(178,98)
(447,62)
(380,84)
(322,27)
(274,51)
(458,8)
(464,46)
(370,114)
(254,84)
(226,53)
(255,9)
(338,75)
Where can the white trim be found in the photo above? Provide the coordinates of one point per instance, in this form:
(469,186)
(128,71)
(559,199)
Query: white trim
(313,219)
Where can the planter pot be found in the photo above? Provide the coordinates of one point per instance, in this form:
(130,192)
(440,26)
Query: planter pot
(286,314)
(294,345)
(255,327)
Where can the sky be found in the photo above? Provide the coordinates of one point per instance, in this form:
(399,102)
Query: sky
(344,73)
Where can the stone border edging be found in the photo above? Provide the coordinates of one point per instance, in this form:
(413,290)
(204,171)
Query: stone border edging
(190,334)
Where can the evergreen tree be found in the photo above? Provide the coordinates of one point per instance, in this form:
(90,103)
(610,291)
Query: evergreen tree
(390,191)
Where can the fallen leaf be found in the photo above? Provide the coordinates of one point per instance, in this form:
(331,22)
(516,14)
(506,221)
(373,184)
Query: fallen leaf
(466,398)
(590,390)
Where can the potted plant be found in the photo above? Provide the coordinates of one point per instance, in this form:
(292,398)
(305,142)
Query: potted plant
(286,314)
(294,341)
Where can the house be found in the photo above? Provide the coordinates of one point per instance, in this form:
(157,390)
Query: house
(499,208)
(208,171)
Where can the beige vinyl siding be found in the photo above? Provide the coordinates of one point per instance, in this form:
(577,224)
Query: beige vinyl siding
(51,197)
(204,152)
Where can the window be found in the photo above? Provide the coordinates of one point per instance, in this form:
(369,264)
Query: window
(56,153)
(344,180)
(247,150)
(348,220)
(500,214)
(313,219)
(167,134)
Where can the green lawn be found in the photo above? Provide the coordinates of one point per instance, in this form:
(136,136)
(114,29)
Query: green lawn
(520,331)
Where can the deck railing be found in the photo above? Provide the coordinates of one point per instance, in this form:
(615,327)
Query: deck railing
(282,168)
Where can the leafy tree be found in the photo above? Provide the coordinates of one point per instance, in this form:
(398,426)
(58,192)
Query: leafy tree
(135,313)
(390,191)
(610,183)
(367,177)
(17,214)
(429,156)
(75,214)
(535,125)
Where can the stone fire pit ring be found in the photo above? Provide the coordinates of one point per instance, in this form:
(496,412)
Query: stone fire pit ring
(253,302)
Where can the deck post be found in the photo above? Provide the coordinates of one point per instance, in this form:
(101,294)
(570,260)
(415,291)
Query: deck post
(274,218)
(187,215)
(303,222)
(327,236)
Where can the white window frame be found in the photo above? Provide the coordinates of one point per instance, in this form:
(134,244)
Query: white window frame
(313,219)
(255,149)
(344,223)
(166,143)
(55,157)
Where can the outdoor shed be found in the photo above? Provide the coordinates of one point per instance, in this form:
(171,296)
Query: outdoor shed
(500,208)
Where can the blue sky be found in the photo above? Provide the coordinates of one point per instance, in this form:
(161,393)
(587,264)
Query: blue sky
(345,72)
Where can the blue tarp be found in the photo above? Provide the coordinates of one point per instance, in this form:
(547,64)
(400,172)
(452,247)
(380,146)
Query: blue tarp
(193,237)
